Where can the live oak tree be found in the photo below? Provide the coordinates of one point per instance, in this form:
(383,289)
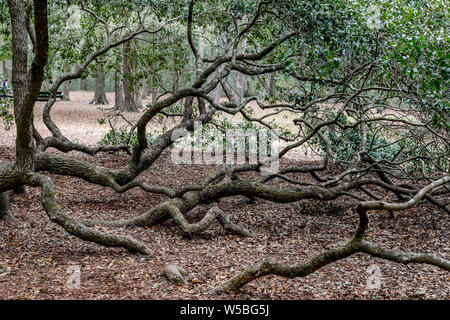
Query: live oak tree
(370,100)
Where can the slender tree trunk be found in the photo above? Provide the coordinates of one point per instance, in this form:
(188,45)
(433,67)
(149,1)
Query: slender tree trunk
(216,93)
(118,92)
(248,92)
(201,54)
(267,84)
(5,69)
(154,90)
(221,50)
(175,79)
(146,90)
(83,84)
(175,75)
(240,79)
(66,93)
(139,97)
(273,85)
(129,103)
(100,88)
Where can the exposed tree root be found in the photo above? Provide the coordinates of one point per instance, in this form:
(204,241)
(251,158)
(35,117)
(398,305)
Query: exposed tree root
(266,267)
(212,214)
(76,228)
(356,245)
(175,274)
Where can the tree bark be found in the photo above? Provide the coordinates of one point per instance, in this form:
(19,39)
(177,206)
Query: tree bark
(5,207)
(100,88)
(66,92)
(27,83)
(129,103)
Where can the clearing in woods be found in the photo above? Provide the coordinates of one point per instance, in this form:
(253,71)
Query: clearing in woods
(36,254)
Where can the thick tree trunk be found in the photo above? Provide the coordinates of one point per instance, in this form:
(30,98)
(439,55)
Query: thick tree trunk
(100,88)
(129,103)
(5,208)
(27,83)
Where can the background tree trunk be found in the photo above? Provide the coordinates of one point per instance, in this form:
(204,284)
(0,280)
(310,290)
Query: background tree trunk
(146,90)
(66,92)
(139,96)
(83,84)
(201,54)
(272,85)
(240,79)
(129,103)
(155,90)
(118,92)
(100,88)
(175,79)
(216,94)
(5,70)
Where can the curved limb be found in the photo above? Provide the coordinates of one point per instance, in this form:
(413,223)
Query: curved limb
(205,223)
(75,228)
(357,244)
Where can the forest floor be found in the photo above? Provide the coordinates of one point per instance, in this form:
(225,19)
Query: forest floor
(36,254)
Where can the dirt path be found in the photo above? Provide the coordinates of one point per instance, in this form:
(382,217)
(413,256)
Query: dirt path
(79,121)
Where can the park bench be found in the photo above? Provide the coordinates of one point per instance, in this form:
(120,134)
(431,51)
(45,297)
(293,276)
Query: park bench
(45,95)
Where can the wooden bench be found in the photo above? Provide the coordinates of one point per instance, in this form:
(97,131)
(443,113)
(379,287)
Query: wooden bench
(45,95)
